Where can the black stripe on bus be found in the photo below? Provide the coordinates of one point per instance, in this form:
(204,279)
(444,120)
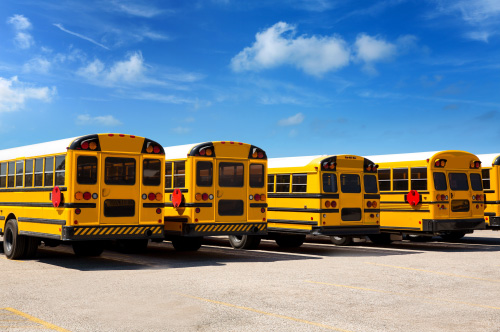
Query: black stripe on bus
(490,214)
(153,205)
(403,193)
(78,205)
(489,191)
(372,196)
(190,205)
(43,221)
(285,195)
(400,202)
(261,205)
(397,227)
(31,190)
(172,190)
(287,230)
(63,205)
(491,202)
(304,210)
(398,210)
(43,235)
(295,222)
(372,210)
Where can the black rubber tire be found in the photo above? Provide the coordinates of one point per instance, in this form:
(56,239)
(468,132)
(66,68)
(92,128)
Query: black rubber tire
(452,236)
(383,238)
(31,247)
(187,243)
(132,246)
(88,248)
(290,241)
(14,244)
(248,242)
(341,240)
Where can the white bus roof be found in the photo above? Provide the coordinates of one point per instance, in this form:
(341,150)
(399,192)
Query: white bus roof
(402,157)
(488,159)
(39,149)
(178,151)
(291,161)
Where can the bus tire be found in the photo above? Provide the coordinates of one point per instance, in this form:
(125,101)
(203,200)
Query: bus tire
(187,243)
(132,246)
(290,241)
(452,236)
(31,247)
(341,240)
(244,241)
(383,238)
(88,248)
(14,245)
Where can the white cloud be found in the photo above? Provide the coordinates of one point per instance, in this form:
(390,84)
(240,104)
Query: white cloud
(181,130)
(103,120)
(293,120)
(14,94)
(276,46)
(131,8)
(21,24)
(60,26)
(373,49)
(38,65)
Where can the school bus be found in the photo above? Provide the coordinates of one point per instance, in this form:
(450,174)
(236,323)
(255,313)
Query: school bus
(82,190)
(215,188)
(429,193)
(331,195)
(491,186)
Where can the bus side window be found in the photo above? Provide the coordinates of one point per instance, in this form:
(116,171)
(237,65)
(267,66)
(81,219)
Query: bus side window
(28,174)
(204,173)
(3,175)
(60,170)
(419,178)
(38,172)
(179,174)
(270,183)
(400,179)
(299,183)
(19,173)
(486,178)
(11,177)
(283,183)
(168,174)
(49,172)
(384,179)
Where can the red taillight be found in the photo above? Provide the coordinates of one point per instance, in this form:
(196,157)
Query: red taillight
(202,152)
(156,149)
(78,211)
(85,145)
(374,204)
(333,204)
(327,204)
(87,196)
(260,154)
(204,197)
(477,164)
(256,197)
(479,197)
(197,210)
(152,196)
(438,163)
(158,210)
(325,165)
(369,204)
(443,197)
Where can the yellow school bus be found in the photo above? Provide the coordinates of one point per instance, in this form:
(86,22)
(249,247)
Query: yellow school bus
(491,186)
(84,190)
(335,196)
(429,193)
(214,188)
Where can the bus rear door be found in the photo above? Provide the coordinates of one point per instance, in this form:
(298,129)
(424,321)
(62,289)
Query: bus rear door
(460,194)
(351,199)
(230,195)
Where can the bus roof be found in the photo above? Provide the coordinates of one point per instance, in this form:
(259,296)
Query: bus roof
(292,161)
(178,151)
(385,158)
(39,149)
(488,159)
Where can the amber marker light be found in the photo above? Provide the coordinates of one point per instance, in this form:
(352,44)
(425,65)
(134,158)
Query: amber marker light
(79,196)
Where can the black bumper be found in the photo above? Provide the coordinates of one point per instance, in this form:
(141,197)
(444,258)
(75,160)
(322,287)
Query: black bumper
(446,225)
(331,230)
(213,229)
(72,233)
(494,223)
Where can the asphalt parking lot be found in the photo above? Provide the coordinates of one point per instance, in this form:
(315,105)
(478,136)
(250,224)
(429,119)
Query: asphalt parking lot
(407,286)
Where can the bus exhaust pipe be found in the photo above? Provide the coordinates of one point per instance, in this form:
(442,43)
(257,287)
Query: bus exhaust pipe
(148,233)
(256,229)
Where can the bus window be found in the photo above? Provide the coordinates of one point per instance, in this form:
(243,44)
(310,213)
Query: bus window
(350,183)
(458,181)
(19,173)
(168,175)
(384,179)
(86,170)
(283,183)
(329,183)
(119,171)
(270,183)
(440,181)
(299,183)
(49,172)
(3,175)
(204,173)
(11,176)
(38,172)
(256,175)
(419,178)
(475,182)
(486,178)
(231,175)
(370,184)
(28,174)
(400,179)
(151,172)
(179,174)
(60,170)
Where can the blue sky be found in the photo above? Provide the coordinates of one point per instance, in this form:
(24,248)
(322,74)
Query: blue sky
(295,77)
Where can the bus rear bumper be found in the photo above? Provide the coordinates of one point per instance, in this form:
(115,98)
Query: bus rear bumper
(436,225)
(494,223)
(352,230)
(125,232)
(213,229)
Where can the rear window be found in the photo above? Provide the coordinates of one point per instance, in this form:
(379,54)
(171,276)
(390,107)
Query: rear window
(119,171)
(370,184)
(350,183)
(440,181)
(204,173)
(475,182)
(86,170)
(458,181)
(329,183)
(256,175)
(151,173)
(231,175)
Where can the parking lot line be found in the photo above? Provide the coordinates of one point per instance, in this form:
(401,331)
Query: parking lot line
(266,313)
(406,295)
(433,272)
(36,320)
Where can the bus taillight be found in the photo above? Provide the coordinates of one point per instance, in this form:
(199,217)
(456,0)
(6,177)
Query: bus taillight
(152,196)
(159,196)
(86,196)
(333,204)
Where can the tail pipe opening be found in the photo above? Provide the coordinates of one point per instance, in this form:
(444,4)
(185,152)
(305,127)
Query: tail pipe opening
(148,233)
